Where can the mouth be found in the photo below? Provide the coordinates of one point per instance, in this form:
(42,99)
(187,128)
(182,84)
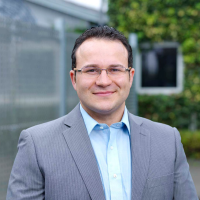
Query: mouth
(103,94)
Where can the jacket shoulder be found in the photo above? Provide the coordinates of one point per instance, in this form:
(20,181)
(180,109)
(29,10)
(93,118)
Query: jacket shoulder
(153,127)
(55,126)
(47,127)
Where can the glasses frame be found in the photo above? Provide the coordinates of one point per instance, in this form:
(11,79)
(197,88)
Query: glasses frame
(80,70)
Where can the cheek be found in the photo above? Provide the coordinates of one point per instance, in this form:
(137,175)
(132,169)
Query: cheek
(84,85)
(122,83)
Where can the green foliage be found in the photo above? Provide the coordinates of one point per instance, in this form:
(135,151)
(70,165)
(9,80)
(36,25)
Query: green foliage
(191,143)
(174,110)
(157,21)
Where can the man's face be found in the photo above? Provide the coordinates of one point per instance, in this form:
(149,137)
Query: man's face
(103,94)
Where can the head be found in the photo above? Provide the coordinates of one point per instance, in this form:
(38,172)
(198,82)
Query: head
(102,49)
(102,32)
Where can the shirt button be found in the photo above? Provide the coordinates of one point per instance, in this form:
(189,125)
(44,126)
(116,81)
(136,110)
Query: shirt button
(101,127)
(115,175)
(111,147)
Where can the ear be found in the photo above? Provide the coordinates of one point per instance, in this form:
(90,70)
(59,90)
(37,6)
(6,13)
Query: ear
(132,72)
(73,78)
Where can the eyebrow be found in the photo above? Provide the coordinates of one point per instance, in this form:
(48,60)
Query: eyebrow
(95,65)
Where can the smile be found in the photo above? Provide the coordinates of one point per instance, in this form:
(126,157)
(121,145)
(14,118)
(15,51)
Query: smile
(104,94)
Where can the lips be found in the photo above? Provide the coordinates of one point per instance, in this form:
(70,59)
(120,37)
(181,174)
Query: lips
(104,93)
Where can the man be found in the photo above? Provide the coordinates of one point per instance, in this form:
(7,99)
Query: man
(99,150)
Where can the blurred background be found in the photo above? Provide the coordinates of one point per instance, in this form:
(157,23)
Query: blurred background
(36,40)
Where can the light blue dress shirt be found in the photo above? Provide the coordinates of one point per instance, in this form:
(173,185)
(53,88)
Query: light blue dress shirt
(112,150)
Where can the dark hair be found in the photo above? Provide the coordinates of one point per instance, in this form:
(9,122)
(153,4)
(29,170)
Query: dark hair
(102,32)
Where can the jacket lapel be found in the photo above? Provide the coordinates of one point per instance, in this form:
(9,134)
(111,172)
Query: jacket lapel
(81,149)
(140,156)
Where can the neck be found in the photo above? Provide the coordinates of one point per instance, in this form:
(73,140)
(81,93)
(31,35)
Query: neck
(109,117)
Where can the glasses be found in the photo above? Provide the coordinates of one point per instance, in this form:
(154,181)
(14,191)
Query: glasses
(113,71)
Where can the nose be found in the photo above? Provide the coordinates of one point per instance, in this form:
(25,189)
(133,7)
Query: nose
(103,79)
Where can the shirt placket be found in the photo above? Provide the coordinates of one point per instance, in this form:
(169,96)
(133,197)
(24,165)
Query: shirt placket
(114,171)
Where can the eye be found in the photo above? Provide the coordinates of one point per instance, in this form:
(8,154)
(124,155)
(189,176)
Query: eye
(115,69)
(91,70)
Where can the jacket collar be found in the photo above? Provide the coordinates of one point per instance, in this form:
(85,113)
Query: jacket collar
(79,144)
(140,156)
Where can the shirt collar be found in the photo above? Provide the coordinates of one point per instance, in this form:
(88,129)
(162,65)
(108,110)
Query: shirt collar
(125,119)
(90,123)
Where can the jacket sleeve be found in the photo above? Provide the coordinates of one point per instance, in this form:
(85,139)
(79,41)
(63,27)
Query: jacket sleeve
(26,180)
(184,188)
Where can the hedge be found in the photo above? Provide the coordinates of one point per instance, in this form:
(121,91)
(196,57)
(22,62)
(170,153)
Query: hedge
(191,143)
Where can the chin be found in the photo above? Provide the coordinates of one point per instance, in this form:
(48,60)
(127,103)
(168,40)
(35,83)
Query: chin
(101,108)
(106,108)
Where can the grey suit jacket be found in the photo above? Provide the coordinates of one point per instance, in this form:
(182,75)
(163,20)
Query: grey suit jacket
(56,161)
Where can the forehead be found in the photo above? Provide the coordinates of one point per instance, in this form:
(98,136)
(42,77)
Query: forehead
(96,46)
